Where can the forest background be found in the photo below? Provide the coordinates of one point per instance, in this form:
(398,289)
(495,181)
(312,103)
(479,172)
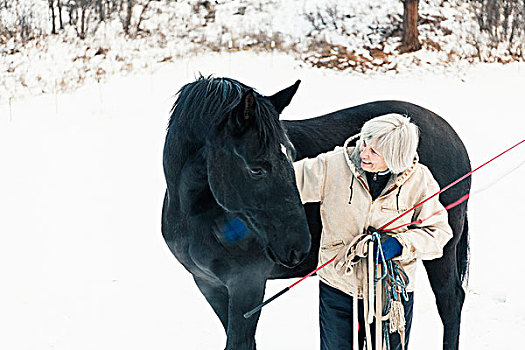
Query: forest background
(52,46)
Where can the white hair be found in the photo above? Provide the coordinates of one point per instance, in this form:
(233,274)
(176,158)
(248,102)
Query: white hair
(394,137)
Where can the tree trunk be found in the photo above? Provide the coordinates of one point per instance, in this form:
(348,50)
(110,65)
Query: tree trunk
(60,14)
(100,8)
(83,24)
(410,33)
(72,15)
(127,20)
(142,14)
(52,8)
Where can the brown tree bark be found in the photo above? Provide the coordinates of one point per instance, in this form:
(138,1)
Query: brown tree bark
(410,40)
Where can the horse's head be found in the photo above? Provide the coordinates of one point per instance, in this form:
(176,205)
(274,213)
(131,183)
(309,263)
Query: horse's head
(250,171)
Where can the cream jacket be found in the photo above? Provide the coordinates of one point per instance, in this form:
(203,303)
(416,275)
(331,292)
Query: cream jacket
(337,181)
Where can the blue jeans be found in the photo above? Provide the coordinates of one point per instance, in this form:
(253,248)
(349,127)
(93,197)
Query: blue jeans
(336,321)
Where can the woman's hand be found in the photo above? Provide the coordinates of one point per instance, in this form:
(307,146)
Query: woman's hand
(391,248)
(350,254)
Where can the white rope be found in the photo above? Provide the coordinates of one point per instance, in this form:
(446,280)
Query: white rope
(358,258)
(498,179)
(356,321)
(379,310)
(370,266)
(368,333)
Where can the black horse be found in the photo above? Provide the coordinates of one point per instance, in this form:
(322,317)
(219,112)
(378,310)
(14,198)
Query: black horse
(232,213)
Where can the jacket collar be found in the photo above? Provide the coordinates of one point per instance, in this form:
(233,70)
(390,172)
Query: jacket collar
(354,163)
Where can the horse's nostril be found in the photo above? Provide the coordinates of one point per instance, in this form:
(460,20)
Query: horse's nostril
(296,257)
(293,256)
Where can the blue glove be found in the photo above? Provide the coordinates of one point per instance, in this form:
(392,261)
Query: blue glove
(391,248)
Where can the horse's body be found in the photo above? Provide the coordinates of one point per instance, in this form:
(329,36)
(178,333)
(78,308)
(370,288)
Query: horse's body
(222,163)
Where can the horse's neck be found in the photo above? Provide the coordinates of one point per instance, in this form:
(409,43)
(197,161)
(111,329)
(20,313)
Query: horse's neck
(178,151)
(311,137)
(188,183)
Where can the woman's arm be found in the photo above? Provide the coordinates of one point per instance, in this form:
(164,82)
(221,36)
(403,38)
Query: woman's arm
(310,175)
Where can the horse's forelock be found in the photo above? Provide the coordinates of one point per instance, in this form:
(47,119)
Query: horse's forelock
(211,100)
(271,134)
(206,98)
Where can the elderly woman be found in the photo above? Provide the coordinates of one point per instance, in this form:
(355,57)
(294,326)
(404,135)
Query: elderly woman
(367,186)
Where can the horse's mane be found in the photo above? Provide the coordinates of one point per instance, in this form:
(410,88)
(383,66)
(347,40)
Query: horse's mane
(209,101)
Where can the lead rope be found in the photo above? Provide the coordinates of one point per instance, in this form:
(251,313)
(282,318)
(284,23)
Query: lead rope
(379,307)
(366,289)
(380,273)
(356,321)
(379,277)
(389,280)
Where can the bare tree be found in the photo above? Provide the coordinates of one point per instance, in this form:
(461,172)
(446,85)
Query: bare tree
(85,7)
(59,4)
(51,4)
(504,22)
(100,10)
(128,15)
(72,12)
(143,13)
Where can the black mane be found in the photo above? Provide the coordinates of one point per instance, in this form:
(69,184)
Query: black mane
(207,102)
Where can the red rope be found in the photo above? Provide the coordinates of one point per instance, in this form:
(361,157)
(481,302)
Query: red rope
(448,186)
(311,273)
(451,205)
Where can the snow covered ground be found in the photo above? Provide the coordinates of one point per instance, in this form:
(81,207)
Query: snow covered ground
(82,261)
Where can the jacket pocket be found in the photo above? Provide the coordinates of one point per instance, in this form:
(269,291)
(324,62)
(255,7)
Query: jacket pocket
(332,245)
(389,208)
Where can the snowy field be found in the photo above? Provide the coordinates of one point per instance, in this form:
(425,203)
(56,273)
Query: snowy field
(82,261)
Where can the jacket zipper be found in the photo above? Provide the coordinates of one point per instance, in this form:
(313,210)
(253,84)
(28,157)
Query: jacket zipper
(369,219)
(390,190)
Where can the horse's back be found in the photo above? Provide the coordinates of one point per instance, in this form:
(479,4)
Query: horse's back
(440,148)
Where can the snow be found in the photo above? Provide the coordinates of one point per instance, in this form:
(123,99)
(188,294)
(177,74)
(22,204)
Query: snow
(84,265)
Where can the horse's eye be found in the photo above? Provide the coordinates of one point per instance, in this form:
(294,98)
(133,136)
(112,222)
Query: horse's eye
(257,172)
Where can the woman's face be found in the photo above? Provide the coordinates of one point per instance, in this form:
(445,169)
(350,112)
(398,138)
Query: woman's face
(371,161)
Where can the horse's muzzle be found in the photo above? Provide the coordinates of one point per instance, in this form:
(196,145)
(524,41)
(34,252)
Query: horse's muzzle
(289,258)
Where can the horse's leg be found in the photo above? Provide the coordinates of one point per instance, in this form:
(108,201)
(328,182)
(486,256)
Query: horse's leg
(446,285)
(217,297)
(246,292)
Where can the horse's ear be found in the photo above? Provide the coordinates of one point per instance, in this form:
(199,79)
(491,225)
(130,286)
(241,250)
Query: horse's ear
(244,112)
(282,99)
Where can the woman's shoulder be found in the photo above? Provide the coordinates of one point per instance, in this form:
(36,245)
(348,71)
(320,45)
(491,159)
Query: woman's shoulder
(424,170)
(337,152)
(424,175)
(328,158)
